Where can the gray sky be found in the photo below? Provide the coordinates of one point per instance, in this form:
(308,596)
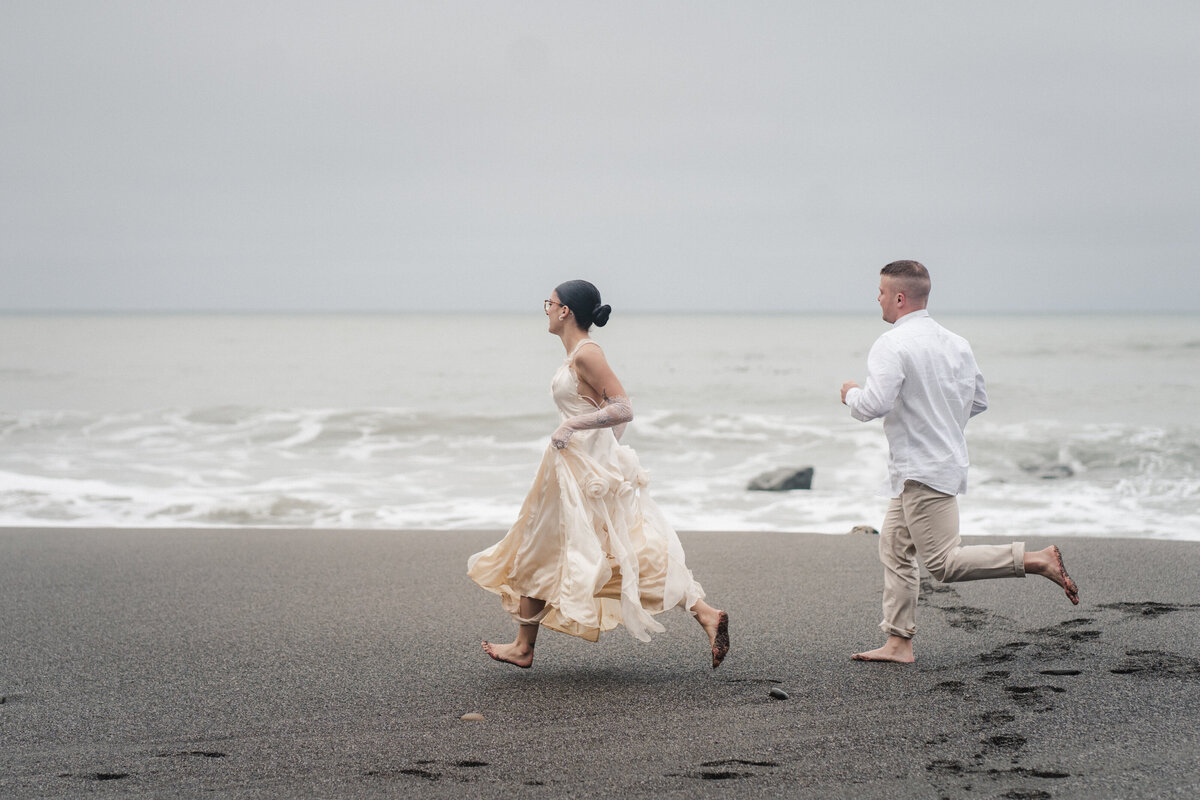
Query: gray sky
(681,155)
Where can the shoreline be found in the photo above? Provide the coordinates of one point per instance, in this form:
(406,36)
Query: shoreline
(337,663)
(970,538)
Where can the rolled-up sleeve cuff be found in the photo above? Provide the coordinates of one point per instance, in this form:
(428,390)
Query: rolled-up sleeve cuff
(852,401)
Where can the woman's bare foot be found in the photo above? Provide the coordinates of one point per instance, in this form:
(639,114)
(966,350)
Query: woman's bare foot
(896,649)
(716,624)
(518,654)
(1049,564)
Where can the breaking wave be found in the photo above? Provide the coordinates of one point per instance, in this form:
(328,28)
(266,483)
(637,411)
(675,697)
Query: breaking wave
(399,468)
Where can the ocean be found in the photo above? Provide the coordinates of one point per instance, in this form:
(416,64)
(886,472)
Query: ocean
(420,421)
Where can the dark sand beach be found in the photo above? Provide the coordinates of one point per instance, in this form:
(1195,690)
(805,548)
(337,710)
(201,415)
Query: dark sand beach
(338,664)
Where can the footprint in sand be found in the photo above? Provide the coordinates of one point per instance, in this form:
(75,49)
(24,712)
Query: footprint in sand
(718,770)
(1005,741)
(945,766)
(96,776)
(420,771)
(1035,697)
(723,775)
(1158,664)
(966,618)
(994,719)
(1056,641)
(1005,652)
(193,754)
(415,772)
(1150,608)
(994,676)
(941,769)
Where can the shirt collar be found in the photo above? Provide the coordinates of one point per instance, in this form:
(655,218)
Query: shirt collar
(923,312)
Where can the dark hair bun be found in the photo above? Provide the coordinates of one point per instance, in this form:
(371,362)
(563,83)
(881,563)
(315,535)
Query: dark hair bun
(584,301)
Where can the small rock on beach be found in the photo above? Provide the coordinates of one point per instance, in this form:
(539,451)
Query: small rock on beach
(472,716)
(782,480)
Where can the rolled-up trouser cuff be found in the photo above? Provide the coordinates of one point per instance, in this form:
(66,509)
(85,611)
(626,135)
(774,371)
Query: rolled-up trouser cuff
(892,630)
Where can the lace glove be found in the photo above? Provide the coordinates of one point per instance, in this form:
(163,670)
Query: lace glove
(614,413)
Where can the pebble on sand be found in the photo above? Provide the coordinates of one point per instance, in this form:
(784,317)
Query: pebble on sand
(472,716)
(778,693)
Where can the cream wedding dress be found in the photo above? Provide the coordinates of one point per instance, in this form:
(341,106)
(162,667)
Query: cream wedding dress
(589,540)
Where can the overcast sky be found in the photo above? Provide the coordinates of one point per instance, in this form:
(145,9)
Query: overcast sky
(681,155)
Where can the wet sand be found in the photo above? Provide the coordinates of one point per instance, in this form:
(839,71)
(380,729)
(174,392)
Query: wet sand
(338,664)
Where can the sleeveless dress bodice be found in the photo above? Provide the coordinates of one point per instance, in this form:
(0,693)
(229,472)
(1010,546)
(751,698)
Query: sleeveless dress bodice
(564,388)
(589,540)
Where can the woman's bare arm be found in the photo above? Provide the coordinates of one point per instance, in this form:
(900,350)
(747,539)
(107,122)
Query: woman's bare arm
(598,383)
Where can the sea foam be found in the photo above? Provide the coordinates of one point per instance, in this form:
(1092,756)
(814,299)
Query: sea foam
(440,421)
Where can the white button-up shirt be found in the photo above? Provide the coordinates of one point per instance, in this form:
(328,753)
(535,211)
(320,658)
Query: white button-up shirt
(923,380)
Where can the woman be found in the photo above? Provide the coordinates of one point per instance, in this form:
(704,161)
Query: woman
(590,549)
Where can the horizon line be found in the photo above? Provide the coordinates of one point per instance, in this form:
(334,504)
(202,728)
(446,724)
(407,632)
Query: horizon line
(32,312)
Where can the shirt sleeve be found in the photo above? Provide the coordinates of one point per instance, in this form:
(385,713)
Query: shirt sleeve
(885,376)
(980,403)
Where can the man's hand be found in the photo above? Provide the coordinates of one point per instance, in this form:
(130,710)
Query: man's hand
(847,386)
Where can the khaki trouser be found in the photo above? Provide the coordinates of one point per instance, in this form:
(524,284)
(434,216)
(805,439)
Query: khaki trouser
(922,523)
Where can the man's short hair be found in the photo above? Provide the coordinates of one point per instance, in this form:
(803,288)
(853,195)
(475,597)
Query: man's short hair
(912,277)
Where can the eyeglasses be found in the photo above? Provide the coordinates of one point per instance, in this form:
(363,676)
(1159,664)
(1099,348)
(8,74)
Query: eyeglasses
(546,305)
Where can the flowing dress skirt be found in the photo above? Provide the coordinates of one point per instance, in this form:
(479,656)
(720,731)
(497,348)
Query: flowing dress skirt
(591,543)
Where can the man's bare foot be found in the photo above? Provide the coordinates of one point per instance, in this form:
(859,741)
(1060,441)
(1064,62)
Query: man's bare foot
(516,653)
(896,649)
(716,624)
(1049,564)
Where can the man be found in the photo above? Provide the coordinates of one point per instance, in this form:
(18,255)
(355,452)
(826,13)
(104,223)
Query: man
(923,380)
